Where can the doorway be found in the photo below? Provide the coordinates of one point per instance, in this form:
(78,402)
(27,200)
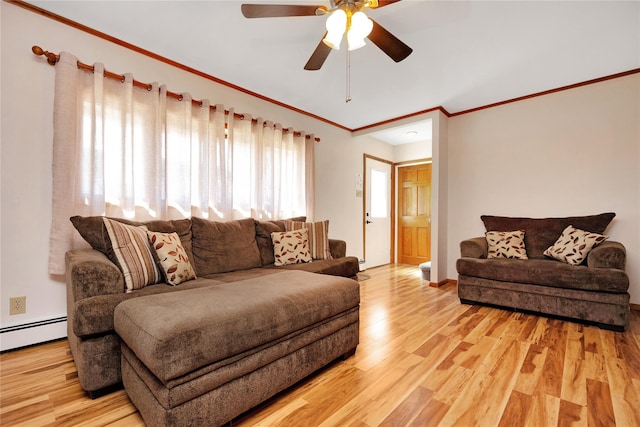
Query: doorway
(414,214)
(378,211)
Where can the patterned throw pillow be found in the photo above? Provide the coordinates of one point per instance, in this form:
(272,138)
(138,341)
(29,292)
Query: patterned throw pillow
(318,236)
(172,257)
(291,247)
(131,248)
(574,245)
(506,244)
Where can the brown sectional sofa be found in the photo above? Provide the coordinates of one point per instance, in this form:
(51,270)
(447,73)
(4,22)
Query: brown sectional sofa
(594,291)
(222,252)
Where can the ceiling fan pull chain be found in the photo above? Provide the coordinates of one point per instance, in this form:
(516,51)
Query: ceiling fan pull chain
(348,97)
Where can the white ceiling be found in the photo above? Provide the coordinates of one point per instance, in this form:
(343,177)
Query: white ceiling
(419,131)
(466,54)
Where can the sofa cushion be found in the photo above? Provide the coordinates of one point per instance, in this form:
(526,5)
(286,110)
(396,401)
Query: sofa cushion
(291,247)
(318,236)
(133,254)
(92,229)
(545,272)
(219,247)
(172,258)
(506,244)
(94,315)
(173,341)
(540,233)
(574,245)
(263,237)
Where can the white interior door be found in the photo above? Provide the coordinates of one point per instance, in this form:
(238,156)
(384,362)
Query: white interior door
(377,213)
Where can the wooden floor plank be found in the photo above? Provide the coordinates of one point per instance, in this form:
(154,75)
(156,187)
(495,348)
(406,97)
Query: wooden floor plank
(424,360)
(517,410)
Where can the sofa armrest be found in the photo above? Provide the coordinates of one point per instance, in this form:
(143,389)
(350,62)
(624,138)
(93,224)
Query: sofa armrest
(475,247)
(338,248)
(608,254)
(90,273)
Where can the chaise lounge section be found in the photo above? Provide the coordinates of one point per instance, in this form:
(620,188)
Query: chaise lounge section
(204,356)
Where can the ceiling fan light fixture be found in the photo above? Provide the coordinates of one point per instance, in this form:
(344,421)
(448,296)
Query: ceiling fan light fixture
(359,29)
(336,25)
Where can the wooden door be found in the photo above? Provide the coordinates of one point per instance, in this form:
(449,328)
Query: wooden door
(414,214)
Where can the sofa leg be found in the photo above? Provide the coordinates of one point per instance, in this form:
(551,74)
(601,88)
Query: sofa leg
(349,353)
(95,394)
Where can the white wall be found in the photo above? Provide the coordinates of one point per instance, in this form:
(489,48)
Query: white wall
(413,151)
(575,152)
(26,137)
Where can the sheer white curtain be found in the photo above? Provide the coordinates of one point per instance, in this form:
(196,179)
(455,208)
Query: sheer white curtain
(126,151)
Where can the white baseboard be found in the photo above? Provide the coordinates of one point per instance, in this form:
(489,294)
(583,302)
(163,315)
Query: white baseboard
(27,334)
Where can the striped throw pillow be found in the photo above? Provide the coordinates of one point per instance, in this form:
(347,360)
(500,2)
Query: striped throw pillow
(131,248)
(318,236)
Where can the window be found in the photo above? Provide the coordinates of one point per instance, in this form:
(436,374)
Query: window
(125,151)
(379,201)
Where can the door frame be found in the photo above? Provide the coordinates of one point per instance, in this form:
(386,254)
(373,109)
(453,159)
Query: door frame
(392,206)
(393,201)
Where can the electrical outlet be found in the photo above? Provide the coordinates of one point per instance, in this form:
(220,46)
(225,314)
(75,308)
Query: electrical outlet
(17,305)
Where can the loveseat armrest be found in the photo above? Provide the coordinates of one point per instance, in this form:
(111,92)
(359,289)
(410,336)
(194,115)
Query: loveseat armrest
(338,248)
(608,254)
(475,247)
(90,273)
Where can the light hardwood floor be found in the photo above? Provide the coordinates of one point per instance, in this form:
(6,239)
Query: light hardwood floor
(424,359)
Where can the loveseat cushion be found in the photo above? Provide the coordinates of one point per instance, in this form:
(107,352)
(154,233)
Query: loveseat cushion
(540,233)
(219,247)
(545,272)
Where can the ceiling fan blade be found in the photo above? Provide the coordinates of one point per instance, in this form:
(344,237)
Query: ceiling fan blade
(278,10)
(382,3)
(318,56)
(389,43)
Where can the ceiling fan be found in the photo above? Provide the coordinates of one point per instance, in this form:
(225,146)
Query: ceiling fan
(344,17)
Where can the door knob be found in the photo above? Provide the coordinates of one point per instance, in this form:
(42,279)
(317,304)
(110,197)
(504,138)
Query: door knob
(369,222)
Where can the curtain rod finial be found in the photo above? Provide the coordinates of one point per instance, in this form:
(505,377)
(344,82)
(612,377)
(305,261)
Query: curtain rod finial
(52,58)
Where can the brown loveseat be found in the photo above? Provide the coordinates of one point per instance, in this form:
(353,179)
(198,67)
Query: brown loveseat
(595,291)
(222,252)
